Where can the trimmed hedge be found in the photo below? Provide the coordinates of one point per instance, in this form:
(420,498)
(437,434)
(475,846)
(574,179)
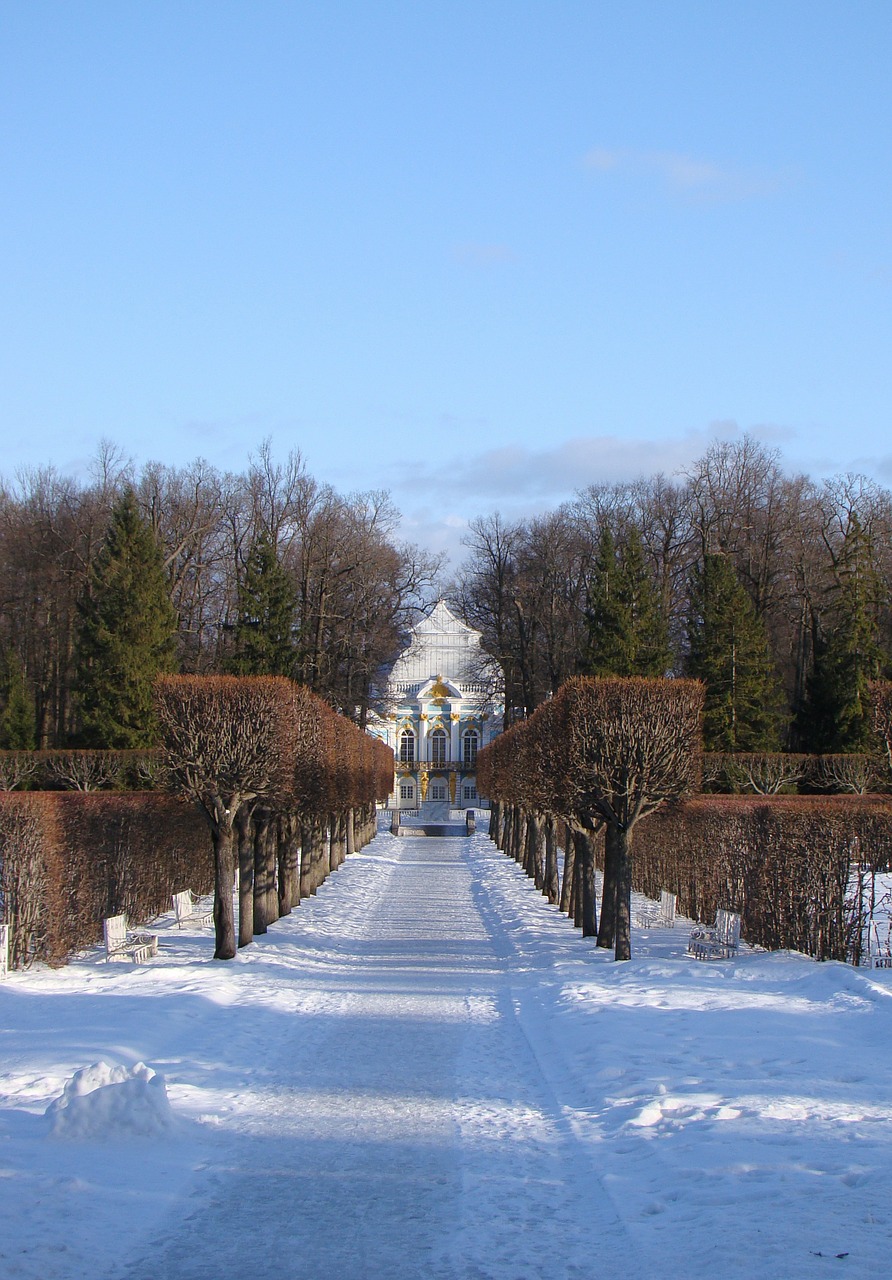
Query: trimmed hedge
(768,773)
(783,862)
(81,770)
(69,859)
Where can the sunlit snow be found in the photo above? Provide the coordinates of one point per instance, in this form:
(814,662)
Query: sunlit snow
(426,1072)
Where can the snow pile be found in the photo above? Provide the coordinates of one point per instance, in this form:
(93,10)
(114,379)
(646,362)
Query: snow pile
(102,1101)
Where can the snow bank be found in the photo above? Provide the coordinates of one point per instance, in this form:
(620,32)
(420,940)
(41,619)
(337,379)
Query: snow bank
(102,1101)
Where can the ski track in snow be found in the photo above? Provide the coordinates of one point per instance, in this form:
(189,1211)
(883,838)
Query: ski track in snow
(424,1071)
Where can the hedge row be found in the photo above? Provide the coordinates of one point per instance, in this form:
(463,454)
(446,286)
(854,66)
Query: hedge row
(601,753)
(767,773)
(87,770)
(273,766)
(785,863)
(69,859)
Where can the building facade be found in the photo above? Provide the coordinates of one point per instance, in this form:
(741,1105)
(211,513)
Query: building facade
(437,711)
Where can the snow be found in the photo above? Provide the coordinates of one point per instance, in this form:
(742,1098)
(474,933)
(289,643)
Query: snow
(104,1101)
(425,1071)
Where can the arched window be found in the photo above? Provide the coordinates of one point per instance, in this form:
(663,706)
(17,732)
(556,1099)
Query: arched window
(439,746)
(407,747)
(470,743)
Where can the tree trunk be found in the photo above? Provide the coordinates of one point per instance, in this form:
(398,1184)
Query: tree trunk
(494,821)
(623,944)
(517,834)
(585,856)
(577,886)
(526,852)
(607,930)
(567,883)
(351,832)
(264,869)
(533,841)
(224,876)
(310,856)
(551,888)
(245,876)
(289,884)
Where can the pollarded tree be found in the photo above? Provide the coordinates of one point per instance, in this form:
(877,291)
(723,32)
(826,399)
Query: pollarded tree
(126,635)
(728,651)
(227,742)
(264,640)
(631,745)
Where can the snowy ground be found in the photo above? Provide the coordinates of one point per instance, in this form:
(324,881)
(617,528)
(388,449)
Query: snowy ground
(425,1072)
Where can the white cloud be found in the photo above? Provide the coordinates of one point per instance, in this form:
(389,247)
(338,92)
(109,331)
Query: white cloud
(529,477)
(687,176)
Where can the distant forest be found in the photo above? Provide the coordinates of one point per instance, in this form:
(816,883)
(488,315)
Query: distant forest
(772,588)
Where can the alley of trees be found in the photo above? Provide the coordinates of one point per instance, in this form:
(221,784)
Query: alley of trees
(771,588)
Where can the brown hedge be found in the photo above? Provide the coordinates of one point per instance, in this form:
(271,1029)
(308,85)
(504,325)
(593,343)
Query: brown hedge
(783,862)
(767,773)
(69,859)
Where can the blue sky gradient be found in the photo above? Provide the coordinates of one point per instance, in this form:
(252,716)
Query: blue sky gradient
(481,252)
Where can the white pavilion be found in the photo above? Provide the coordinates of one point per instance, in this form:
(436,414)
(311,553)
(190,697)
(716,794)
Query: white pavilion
(438,709)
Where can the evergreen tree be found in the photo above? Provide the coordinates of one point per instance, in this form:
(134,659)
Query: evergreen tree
(836,715)
(18,726)
(264,643)
(126,635)
(728,651)
(651,656)
(627,632)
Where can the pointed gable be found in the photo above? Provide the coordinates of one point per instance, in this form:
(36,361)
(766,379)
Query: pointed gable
(442,645)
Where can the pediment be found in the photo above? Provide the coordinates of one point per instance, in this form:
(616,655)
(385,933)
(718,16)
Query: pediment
(440,689)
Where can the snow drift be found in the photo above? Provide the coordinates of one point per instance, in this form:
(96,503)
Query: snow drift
(103,1101)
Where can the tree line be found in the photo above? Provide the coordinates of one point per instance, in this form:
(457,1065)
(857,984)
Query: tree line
(107,582)
(774,590)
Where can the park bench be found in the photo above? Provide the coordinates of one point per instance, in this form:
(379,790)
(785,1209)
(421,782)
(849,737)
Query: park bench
(121,944)
(658,915)
(4,951)
(188,912)
(719,941)
(880,952)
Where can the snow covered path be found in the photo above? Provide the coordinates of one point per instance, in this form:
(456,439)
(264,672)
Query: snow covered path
(425,1071)
(410,1131)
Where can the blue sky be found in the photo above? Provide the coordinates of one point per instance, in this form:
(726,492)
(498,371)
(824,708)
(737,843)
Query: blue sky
(478,253)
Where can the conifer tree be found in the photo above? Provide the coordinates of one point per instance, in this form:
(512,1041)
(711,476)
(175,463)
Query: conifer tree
(18,726)
(728,651)
(610,642)
(836,716)
(627,632)
(264,643)
(126,635)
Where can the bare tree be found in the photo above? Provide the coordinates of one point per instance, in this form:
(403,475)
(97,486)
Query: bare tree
(631,745)
(227,741)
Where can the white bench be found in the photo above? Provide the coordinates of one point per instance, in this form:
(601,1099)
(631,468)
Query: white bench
(4,951)
(121,944)
(188,912)
(880,953)
(720,941)
(658,915)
